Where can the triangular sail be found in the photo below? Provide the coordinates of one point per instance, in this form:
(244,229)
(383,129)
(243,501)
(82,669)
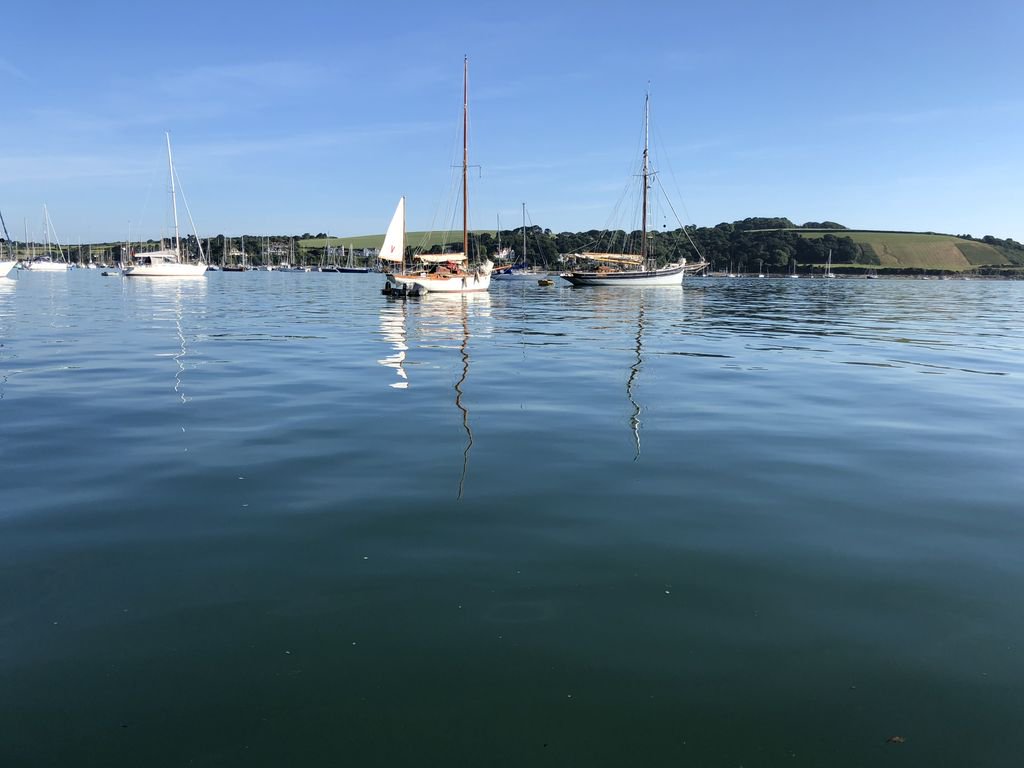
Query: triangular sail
(394,241)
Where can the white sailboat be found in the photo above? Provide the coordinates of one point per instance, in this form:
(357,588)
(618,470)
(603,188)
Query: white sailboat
(438,272)
(520,269)
(629,269)
(6,265)
(828,265)
(167,262)
(46,263)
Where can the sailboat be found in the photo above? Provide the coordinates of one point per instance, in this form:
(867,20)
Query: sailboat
(628,269)
(46,263)
(6,265)
(520,269)
(828,265)
(350,263)
(439,272)
(167,262)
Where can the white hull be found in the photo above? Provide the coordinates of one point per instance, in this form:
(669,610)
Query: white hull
(530,276)
(166,270)
(672,275)
(427,282)
(46,266)
(6,267)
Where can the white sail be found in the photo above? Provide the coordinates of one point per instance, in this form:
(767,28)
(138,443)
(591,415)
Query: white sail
(394,241)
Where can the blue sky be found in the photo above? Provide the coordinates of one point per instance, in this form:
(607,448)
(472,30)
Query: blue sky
(297,117)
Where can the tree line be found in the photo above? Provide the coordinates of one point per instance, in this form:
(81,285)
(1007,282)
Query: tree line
(774,243)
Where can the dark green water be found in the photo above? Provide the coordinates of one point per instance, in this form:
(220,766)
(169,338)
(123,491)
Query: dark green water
(277,519)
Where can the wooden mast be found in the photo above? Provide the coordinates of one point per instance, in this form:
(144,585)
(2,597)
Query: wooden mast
(465,157)
(643,243)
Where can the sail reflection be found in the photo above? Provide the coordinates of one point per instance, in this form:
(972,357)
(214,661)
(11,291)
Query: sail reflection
(394,318)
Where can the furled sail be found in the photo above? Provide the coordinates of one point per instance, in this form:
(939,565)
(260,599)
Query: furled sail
(440,258)
(394,241)
(619,258)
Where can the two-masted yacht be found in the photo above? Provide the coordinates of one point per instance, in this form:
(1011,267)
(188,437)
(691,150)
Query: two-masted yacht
(634,269)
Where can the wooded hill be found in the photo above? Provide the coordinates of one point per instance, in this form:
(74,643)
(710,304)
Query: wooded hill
(749,245)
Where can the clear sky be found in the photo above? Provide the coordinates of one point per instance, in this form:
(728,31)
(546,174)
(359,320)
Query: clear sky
(307,117)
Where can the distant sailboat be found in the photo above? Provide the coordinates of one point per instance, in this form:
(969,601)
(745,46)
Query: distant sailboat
(350,263)
(441,272)
(6,265)
(46,263)
(828,265)
(167,262)
(521,269)
(634,269)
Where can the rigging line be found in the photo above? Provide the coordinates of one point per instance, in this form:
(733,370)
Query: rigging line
(56,238)
(190,221)
(536,239)
(671,172)
(681,225)
(448,201)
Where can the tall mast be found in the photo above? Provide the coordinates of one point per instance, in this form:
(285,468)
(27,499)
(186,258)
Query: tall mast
(465,156)
(643,242)
(524,234)
(174,199)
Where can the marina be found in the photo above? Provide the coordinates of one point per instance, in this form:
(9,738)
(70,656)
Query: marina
(645,391)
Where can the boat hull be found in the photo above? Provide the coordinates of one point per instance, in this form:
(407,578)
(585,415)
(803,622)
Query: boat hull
(46,266)
(166,270)
(510,276)
(6,267)
(672,275)
(427,282)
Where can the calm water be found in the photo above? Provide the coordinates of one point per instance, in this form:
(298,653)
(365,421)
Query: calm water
(278,519)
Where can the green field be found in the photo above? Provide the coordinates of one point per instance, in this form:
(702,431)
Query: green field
(915,250)
(415,239)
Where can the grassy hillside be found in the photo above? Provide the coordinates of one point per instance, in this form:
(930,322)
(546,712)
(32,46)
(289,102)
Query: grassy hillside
(915,250)
(415,239)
